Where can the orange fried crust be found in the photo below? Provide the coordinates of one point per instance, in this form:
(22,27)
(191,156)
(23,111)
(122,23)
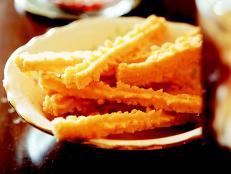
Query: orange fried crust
(99,126)
(59,105)
(152,29)
(177,63)
(49,61)
(182,103)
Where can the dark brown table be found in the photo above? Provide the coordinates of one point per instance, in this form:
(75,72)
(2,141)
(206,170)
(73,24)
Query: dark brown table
(24,149)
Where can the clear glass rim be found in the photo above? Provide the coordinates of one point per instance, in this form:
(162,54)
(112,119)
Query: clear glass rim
(212,8)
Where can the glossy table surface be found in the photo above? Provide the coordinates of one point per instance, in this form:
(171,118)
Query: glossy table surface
(24,149)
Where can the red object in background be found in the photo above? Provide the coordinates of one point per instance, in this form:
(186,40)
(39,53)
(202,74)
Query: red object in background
(74,7)
(80,7)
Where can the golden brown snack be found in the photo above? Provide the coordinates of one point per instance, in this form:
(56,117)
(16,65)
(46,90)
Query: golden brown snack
(182,103)
(153,30)
(130,84)
(49,61)
(177,63)
(140,54)
(59,105)
(99,126)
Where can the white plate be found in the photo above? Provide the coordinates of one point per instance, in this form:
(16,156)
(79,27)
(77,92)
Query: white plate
(26,96)
(48,9)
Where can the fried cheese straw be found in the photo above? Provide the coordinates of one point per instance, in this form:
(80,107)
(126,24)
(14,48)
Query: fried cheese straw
(180,103)
(58,105)
(99,126)
(49,61)
(153,30)
(177,63)
(55,105)
(139,54)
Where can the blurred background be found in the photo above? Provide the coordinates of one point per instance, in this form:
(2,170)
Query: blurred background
(24,149)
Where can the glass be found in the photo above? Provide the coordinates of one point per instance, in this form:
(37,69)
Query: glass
(215,19)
